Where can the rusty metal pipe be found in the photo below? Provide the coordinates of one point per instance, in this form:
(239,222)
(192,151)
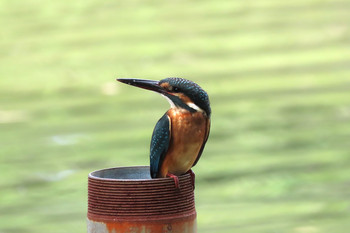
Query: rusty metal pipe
(128,200)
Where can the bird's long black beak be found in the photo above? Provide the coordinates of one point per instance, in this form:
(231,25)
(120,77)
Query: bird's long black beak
(143,83)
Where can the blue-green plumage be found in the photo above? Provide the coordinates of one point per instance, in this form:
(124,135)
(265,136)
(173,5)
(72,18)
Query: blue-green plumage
(191,90)
(159,144)
(180,135)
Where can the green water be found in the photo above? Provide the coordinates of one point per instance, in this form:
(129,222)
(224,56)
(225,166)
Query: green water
(278,76)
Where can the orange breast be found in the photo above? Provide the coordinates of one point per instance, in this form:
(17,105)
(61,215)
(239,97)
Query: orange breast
(188,132)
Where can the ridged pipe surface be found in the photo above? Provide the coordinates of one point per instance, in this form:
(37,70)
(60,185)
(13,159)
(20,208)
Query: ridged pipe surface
(127,200)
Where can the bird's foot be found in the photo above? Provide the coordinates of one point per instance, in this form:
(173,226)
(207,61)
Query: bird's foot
(175,178)
(193,177)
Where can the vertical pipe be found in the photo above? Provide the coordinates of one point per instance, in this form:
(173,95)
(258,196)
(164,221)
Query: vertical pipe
(127,200)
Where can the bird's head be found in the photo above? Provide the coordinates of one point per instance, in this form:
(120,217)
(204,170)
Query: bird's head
(181,93)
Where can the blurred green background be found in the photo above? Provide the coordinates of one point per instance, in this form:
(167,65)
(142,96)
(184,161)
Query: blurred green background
(278,75)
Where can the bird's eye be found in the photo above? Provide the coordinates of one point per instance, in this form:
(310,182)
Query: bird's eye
(176,89)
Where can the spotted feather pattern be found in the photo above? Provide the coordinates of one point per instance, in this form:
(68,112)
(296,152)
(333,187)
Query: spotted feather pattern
(192,90)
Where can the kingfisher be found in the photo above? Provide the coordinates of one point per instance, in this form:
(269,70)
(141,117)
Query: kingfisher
(180,135)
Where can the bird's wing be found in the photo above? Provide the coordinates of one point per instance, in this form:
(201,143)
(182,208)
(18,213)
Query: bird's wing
(159,144)
(205,141)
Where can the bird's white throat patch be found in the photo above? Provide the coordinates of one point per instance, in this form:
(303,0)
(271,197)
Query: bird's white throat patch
(170,102)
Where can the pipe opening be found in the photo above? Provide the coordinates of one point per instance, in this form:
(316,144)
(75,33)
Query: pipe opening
(123,173)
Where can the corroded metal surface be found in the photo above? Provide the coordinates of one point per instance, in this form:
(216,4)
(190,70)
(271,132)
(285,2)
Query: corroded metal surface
(128,200)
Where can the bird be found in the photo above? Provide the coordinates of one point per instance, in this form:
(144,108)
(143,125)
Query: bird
(180,135)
